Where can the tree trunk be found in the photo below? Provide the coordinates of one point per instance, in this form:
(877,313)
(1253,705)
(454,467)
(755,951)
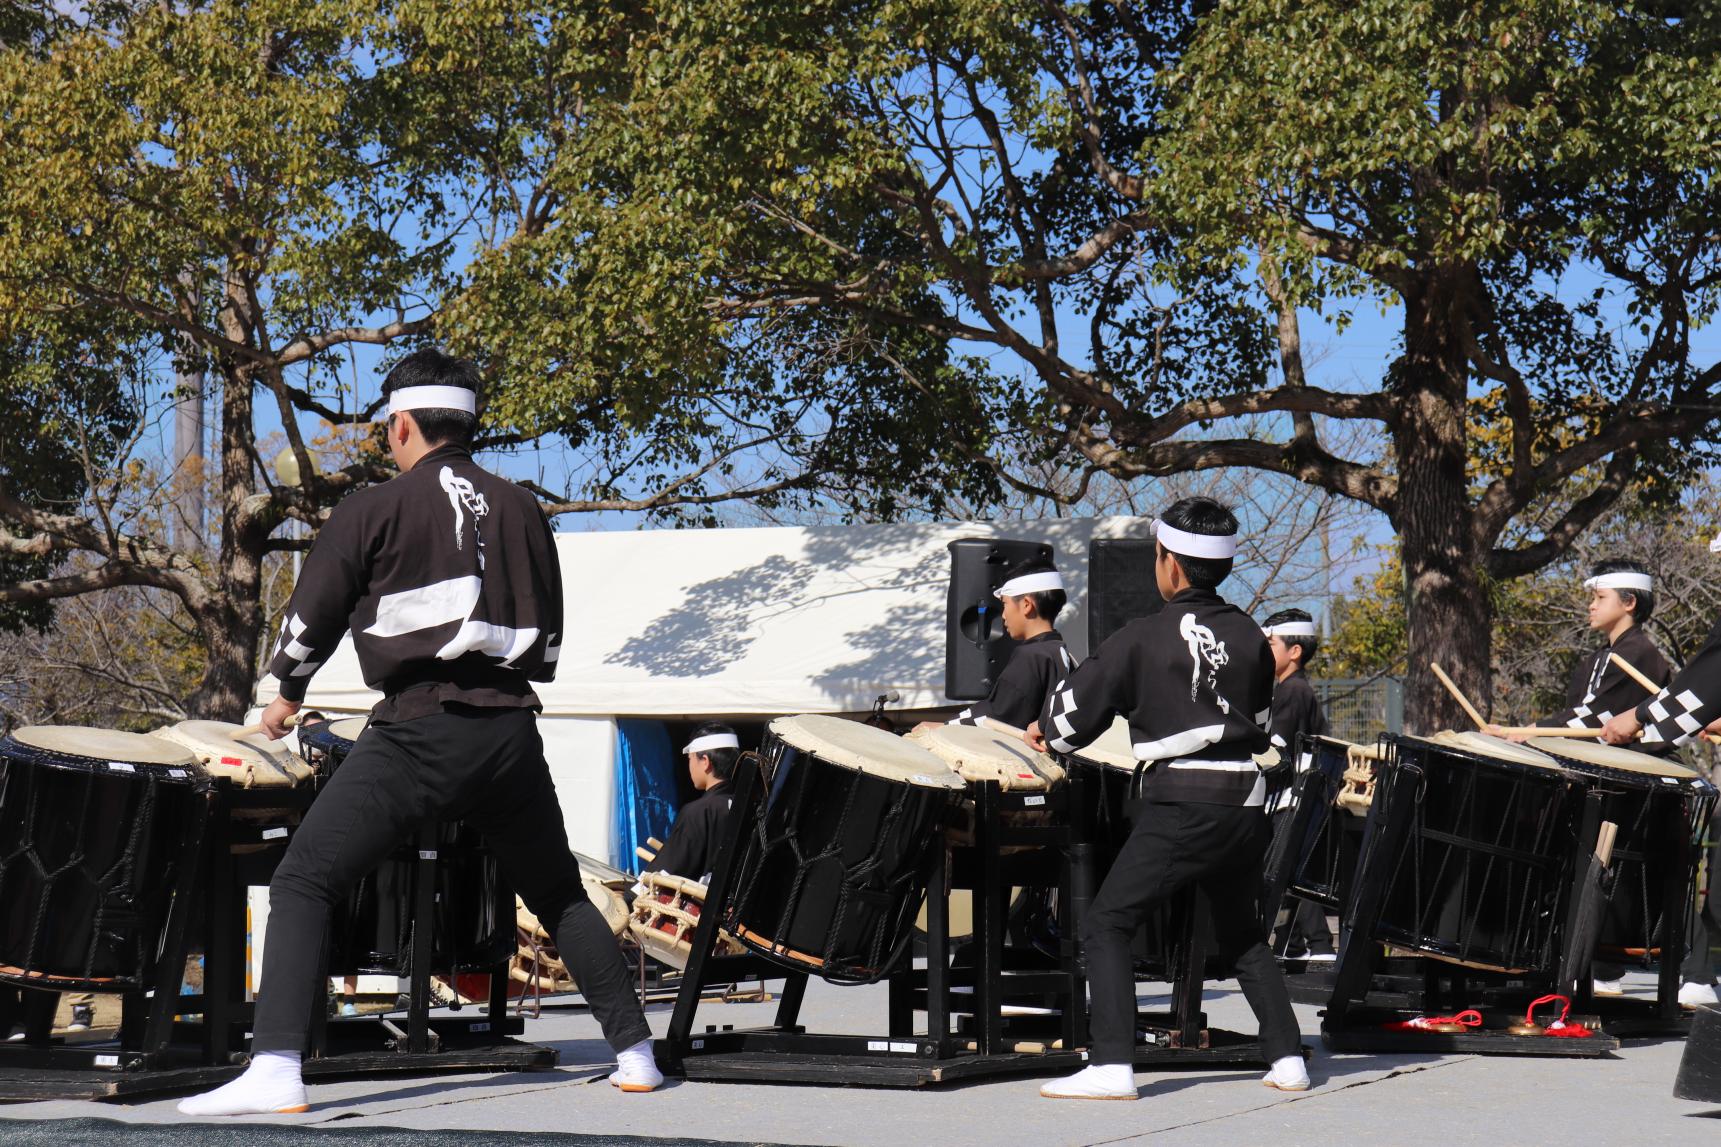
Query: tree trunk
(231,622)
(1447,609)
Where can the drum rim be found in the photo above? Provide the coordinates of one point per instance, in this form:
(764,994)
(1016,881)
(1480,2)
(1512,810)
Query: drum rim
(947,781)
(188,772)
(1554,770)
(1684,777)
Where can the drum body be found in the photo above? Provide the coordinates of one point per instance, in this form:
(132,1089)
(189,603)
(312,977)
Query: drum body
(1661,808)
(93,826)
(831,869)
(1326,856)
(472,924)
(1483,874)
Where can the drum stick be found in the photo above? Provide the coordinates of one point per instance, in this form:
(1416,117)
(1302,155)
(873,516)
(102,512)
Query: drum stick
(1457,694)
(998,726)
(1634,673)
(244,731)
(1604,841)
(1545,731)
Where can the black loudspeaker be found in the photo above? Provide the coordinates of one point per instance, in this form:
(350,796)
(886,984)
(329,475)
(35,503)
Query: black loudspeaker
(975,647)
(1121,585)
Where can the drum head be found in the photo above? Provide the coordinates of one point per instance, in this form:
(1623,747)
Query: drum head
(1611,757)
(254,760)
(1482,745)
(864,749)
(348,728)
(608,901)
(981,754)
(1114,749)
(104,745)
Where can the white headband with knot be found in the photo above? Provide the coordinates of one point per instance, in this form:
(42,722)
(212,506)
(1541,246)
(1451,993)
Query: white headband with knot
(1624,579)
(1042,582)
(1290,629)
(712,741)
(432,398)
(1195,545)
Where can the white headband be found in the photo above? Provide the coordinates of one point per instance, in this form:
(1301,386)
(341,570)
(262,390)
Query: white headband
(432,398)
(1625,579)
(1195,545)
(713,741)
(1291,629)
(1030,583)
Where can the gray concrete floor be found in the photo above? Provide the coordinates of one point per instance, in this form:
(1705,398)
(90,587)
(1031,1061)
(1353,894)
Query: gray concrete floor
(1451,1101)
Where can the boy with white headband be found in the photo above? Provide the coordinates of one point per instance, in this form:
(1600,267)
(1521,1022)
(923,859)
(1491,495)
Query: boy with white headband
(1195,682)
(691,849)
(1622,596)
(447,578)
(1292,639)
(1031,598)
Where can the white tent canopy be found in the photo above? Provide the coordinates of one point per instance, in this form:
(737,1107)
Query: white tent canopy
(738,623)
(820,619)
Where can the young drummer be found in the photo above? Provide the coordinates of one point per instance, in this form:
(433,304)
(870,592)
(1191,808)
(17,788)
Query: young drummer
(1622,596)
(1195,682)
(1032,596)
(692,846)
(1296,711)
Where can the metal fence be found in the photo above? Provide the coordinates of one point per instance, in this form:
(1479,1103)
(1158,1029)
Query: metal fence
(1361,709)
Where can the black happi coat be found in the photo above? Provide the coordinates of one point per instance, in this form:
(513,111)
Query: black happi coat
(1599,689)
(1195,682)
(691,849)
(1296,712)
(1027,679)
(447,577)
(1690,701)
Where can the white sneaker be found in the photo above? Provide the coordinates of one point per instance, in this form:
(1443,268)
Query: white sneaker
(1288,1073)
(1607,988)
(636,1069)
(16,1035)
(1095,1081)
(1692,994)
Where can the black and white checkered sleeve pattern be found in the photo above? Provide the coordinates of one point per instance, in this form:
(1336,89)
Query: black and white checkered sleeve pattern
(1081,706)
(1691,700)
(1675,717)
(317,614)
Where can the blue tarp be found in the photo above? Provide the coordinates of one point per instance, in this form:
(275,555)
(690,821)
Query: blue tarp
(645,797)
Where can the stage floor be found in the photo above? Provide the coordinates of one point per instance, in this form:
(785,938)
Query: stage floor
(1448,1101)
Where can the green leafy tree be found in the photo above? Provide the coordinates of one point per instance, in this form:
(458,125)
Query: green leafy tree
(251,191)
(1116,216)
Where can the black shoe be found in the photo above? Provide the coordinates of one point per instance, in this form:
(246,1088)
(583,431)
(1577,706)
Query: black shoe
(81,1018)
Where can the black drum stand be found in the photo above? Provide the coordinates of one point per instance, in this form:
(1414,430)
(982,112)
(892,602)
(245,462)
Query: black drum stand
(991,1006)
(170,1042)
(1373,989)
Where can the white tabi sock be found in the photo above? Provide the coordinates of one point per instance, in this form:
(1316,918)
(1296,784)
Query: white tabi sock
(636,1068)
(272,1085)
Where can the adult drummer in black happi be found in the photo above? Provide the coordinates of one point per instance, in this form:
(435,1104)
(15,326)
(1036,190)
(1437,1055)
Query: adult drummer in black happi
(1195,682)
(447,578)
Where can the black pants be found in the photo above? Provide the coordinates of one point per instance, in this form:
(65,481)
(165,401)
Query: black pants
(483,766)
(1218,848)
